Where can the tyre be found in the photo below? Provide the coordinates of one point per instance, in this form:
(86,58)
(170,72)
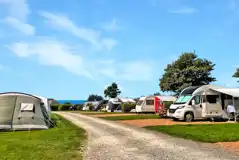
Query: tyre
(188,117)
(175,119)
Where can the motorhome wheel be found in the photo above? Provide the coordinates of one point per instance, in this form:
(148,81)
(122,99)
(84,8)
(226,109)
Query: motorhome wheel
(188,117)
(175,119)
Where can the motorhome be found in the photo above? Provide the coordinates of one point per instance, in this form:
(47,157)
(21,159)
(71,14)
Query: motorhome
(151,104)
(202,102)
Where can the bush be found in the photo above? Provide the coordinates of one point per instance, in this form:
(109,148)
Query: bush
(163,113)
(54,107)
(167,104)
(79,106)
(127,107)
(64,107)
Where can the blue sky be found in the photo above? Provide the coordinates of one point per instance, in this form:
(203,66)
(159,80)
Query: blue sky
(70,49)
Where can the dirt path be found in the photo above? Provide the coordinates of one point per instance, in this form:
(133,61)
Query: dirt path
(111,115)
(154,122)
(113,140)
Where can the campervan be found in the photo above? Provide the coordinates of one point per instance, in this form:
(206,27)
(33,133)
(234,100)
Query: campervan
(200,102)
(151,104)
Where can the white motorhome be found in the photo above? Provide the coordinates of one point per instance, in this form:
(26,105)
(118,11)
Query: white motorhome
(207,101)
(149,104)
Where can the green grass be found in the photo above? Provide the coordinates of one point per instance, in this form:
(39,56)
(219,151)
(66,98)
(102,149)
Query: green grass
(131,117)
(202,132)
(63,142)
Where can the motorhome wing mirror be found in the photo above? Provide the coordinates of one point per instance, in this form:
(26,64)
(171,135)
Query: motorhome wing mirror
(193,102)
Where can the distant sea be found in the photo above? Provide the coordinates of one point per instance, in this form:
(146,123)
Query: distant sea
(71,101)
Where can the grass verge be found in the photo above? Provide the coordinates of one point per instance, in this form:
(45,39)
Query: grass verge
(65,141)
(131,117)
(202,132)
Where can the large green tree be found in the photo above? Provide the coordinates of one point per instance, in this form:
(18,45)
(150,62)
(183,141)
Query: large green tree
(112,91)
(187,70)
(94,97)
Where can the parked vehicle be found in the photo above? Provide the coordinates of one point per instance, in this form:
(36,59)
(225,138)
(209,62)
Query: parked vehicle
(202,102)
(153,104)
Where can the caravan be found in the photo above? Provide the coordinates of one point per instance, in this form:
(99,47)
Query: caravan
(202,102)
(151,104)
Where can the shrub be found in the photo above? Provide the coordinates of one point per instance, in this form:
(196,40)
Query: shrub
(163,113)
(54,107)
(127,107)
(167,104)
(64,107)
(79,106)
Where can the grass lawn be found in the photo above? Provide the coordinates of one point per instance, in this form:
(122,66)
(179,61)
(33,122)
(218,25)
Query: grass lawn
(202,132)
(63,142)
(131,117)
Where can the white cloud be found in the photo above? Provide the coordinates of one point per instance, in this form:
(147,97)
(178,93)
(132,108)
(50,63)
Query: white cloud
(94,37)
(25,28)
(128,71)
(184,10)
(18,12)
(53,53)
(19,9)
(111,26)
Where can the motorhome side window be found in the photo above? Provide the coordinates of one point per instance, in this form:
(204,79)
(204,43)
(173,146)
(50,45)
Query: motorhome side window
(212,98)
(149,102)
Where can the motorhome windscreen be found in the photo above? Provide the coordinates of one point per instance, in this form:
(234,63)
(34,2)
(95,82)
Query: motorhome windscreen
(139,103)
(182,99)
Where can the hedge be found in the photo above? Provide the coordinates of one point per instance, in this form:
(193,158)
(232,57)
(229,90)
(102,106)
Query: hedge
(54,107)
(127,107)
(167,104)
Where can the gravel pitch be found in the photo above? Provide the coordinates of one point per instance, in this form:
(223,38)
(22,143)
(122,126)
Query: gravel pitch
(109,140)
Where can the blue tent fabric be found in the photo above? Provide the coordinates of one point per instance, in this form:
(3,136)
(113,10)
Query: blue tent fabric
(74,102)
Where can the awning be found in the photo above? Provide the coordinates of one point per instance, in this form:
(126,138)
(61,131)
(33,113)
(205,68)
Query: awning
(234,92)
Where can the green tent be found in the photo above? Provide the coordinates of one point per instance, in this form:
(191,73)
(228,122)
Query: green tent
(21,111)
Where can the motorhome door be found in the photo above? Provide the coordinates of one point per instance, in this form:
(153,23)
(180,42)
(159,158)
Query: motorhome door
(197,106)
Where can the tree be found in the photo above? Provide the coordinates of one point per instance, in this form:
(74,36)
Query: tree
(157,94)
(187,70)
(112,91)
(236,74)
(94,97)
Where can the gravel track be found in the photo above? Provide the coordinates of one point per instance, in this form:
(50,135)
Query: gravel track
(109,140)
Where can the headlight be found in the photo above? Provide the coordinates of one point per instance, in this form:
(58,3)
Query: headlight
(180,107)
